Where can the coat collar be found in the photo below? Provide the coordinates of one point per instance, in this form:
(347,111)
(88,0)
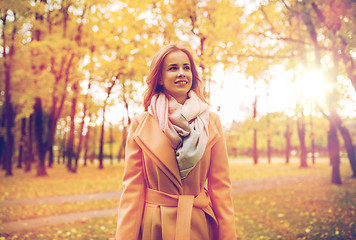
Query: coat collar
(156,144)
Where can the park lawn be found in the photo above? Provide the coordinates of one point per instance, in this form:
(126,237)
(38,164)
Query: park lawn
(89,179)
(318,210)
(30,211)
(61,182)
(244,169)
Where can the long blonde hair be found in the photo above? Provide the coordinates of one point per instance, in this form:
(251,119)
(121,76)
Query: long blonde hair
(155,74)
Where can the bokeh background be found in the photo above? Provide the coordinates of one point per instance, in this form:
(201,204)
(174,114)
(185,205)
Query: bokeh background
(281,74)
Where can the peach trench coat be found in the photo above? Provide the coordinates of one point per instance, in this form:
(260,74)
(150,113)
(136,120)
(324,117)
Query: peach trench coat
(156,204)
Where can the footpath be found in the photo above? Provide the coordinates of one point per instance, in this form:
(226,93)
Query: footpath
(238,187)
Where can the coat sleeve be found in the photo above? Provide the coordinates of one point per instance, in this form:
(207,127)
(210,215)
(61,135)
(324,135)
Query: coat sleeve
(133,196)
(219,187)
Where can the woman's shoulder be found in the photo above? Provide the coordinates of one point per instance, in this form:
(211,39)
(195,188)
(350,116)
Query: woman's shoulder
(214,117)
(137,118)
(140,115)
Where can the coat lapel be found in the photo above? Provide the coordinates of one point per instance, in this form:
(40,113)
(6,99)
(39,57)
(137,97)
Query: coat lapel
(155,143)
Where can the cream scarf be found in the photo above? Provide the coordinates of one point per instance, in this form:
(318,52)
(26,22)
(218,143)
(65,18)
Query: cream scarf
(185,125)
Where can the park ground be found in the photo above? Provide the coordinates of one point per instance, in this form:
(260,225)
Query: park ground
(272,201)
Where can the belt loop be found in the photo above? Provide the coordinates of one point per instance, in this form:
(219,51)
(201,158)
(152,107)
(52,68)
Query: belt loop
(184,214)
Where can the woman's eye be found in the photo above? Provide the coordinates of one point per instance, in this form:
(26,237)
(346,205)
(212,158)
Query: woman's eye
(187,68)
(172,68)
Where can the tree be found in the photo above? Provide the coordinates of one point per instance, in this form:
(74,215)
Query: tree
(75,87)
(254,146)
(292,21)
(41,145)
(301,136)
(22,147)
(312,138)
(333,25)
(101,152)
(8,107)
(29,159)
(2,141)
(288,135)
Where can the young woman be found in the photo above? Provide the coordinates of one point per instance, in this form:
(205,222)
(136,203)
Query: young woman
(176,179)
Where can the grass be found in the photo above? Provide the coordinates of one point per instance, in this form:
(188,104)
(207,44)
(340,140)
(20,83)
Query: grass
(22,212)
(244,169)
(318,210)
(60,182)
(90,179)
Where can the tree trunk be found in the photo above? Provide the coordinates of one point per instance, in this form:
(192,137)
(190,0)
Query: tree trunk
(312,139)
(9,111)
(86,143)
(2,145)
(9,123)
(101,153)
(52,123)
(59,156)
(29,159)
(64,147)
(334,149)
(333,140)
(269,151)
(121,154)
(41,146)
(70,146)
(93,149)
(301,136)
(2,141)
(288,136)
(50,156)
(101,149)
(80,141)
(254,147)
(22,151)
(348,145)
(111,144)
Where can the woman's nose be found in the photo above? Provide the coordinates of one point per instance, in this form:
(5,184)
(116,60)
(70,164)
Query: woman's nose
(181,73)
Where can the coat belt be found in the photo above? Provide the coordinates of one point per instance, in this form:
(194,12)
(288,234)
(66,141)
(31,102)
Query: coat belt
(184,204)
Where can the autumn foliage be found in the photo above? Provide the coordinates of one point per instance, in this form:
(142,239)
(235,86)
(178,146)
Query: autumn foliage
(72,75)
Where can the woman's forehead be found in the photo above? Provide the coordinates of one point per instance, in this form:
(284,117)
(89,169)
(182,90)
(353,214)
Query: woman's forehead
(176,57)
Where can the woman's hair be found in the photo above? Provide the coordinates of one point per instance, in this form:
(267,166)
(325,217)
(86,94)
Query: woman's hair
(155,74)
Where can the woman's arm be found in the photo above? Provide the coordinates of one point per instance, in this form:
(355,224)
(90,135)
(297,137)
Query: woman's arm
(133,196)
(219,186)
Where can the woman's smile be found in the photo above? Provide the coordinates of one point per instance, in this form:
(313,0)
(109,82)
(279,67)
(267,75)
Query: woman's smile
(181,82)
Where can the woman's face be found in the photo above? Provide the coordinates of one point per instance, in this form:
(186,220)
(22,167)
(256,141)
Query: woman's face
(177,76)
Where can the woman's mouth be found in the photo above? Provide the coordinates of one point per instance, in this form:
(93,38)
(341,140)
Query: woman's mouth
(181,82)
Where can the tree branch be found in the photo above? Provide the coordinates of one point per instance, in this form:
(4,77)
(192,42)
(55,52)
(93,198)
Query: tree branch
(265,56)
(288,39)
(266,17)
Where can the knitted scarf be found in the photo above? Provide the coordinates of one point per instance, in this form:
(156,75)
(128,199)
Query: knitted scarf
(185,125)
